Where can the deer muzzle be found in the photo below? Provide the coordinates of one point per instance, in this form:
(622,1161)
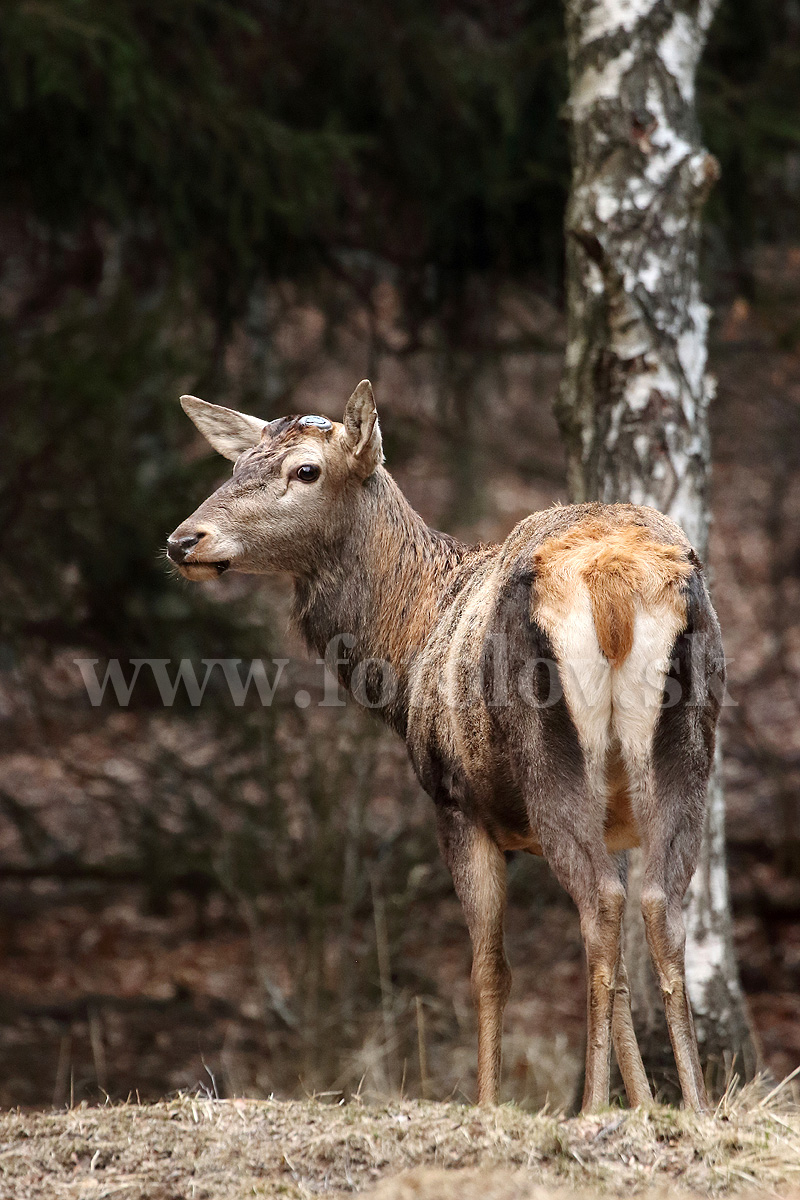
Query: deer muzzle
(193,554)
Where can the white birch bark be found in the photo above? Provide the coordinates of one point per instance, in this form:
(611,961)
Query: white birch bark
(635,393)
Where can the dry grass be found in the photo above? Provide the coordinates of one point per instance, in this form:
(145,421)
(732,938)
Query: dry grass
(201,1148)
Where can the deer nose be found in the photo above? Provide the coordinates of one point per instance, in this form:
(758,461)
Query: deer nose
(178,548)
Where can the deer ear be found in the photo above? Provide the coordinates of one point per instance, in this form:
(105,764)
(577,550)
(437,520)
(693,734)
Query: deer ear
(362,431)
(228,431)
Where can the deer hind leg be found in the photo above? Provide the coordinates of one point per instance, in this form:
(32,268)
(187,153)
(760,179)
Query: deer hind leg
(602,931)
(576,852)
(667,745)
(578,856)
(663,919)
(670,815)
(478,867)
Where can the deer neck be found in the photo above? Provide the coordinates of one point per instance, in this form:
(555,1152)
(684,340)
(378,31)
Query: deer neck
(377,594)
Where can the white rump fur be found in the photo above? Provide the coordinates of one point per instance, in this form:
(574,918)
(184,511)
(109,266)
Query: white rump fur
(603,701)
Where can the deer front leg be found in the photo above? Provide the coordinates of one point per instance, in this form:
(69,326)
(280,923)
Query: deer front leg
(478,868)
(626,1047)
(623,1033)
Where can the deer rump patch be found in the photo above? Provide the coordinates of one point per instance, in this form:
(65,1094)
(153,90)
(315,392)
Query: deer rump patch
(617,566)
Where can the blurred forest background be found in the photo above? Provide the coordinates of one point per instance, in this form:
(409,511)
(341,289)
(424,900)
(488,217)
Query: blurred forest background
(260,203)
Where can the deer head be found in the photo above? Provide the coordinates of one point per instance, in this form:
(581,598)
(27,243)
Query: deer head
(292,493)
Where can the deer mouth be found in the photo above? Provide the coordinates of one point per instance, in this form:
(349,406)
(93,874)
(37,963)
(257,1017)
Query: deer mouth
(192,569)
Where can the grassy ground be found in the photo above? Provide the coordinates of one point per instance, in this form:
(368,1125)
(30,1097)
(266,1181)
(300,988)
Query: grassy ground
(204,1149)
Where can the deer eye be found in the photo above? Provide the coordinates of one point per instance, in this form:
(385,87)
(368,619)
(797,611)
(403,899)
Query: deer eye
(307,473)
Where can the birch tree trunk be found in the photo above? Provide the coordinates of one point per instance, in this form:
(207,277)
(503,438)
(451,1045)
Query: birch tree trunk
(635,393)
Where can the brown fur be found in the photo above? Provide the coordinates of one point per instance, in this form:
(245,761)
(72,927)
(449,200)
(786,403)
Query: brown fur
(621,831)
(472,636)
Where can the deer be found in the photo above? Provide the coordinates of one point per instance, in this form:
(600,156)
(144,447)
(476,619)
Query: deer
(558,693)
